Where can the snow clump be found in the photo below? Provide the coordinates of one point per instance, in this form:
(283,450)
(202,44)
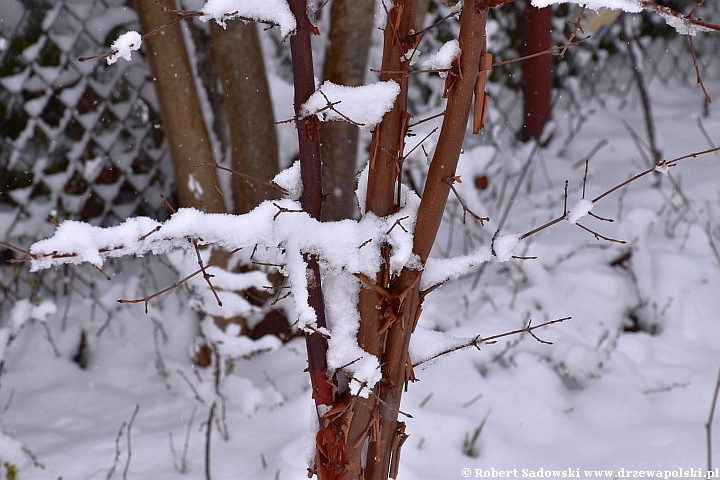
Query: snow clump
(442,60)
(365,105)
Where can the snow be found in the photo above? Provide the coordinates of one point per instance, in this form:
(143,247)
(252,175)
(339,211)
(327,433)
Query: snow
(427,344)
(195,187)
(600,397)
(580,209)
(273,11)
(443,58)
(290,180)
(279,225)
(123,47)
(503,246)
(232,345)
(630,6)
(680,23)
(364,106)
(682,26)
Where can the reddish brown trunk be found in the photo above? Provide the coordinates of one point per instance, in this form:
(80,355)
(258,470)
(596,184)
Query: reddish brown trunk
(389,137)
(329,459)
(537,71)
(403,308)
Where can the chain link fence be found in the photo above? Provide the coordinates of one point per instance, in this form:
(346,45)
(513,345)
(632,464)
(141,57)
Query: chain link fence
(77,140)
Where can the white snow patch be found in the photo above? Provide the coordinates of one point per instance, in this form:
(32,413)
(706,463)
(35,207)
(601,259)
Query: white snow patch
(124,46)
(682,25)
(365,105)
(274,11)
(195,187)
(663,168)
(503,247)
(579,210)
(290,180)
(231,344)
(440,270)
(630,6)
(444,57)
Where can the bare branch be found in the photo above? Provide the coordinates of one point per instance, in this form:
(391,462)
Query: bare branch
(600,236)
(180,15)
(247,177)
(479,340)
(146,300)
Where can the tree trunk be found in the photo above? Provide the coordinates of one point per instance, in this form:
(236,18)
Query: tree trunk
(249,111)
(345,64)
(328,458)
(403,308)
(180,111)
(537,71)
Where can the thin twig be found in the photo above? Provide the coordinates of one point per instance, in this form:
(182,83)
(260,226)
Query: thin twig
(192,387)
(183,460)
(208,436)
(180,15)
(421,142)
(600,236)
(450,181)
(117,450)
(147,299)
(17,249)
(479,340)
(708,425)
(50,338)
(432,117)
(697,69)
(9,401)
(129,444)
(206,275)
(247,177)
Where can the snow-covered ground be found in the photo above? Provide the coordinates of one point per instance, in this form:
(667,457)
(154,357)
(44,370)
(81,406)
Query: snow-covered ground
(598,398)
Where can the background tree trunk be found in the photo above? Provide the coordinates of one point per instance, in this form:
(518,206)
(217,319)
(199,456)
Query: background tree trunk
(249,110)
(345,64)
(180,110)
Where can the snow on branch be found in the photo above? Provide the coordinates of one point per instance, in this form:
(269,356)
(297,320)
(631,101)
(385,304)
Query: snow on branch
(440,270)
(273,11)
(343,248)
(443,58)
(580,209)
(683,24)
(364,106)
(122,47)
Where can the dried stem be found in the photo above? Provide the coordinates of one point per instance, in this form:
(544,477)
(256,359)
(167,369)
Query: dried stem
(708,425)
(246,177)
(129,444)
(208,436)
(117,450)
(147,299)
(479,340)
